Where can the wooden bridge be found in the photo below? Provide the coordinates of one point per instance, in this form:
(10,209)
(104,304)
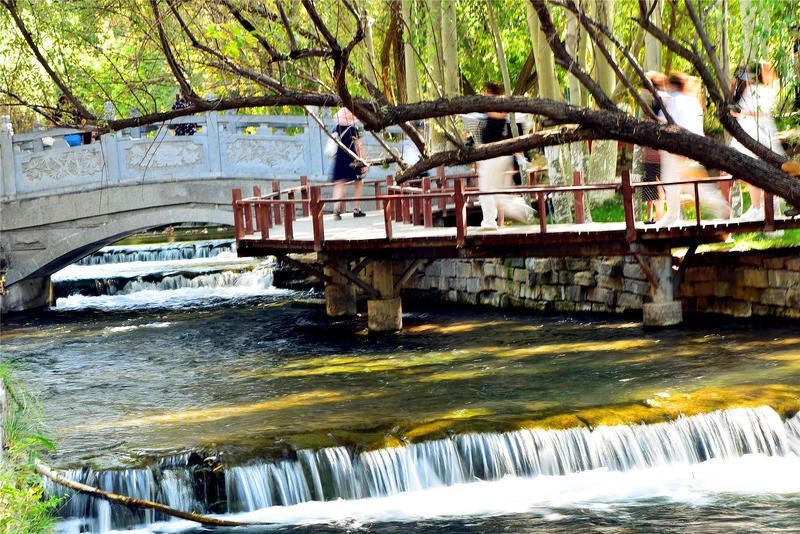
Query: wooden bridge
(427,219)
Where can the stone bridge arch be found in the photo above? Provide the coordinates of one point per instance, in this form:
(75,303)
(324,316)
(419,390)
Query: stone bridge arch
(45,234)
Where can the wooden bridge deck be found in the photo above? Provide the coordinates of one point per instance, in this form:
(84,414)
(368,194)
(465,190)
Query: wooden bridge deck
(366,237)
(384,234)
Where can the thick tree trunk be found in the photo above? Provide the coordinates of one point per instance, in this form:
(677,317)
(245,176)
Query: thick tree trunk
(557,157)
(410,58)
(501,60)
(754,46)
(449,39)
(603,159)
(371,65)
(436,61)
(652,61)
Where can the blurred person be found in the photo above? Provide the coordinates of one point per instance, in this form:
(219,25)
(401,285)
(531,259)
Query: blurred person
(342,171)
(687,111)
(756,97)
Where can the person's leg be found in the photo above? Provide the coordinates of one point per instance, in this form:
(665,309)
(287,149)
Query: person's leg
(756,197)
(359,187)
(756,210)
(487,202)
(338,193)
(671,172)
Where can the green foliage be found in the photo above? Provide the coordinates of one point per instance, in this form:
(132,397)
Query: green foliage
(22,506)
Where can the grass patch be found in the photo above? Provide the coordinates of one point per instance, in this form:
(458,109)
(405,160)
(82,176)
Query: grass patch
(22,506)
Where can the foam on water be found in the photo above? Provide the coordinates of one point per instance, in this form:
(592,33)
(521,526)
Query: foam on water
(601,489)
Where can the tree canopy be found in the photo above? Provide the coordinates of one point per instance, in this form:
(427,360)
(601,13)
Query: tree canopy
(397,61)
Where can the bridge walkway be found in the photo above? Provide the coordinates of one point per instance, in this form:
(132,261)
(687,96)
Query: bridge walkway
(401,230)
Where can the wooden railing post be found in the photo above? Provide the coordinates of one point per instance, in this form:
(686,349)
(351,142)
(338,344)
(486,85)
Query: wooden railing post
(542,211)
(293,212)
(276,188)
(427,217)
(288,208)
(262,220)
(257,194)
(697,204)
(441,183)
(304,194)
(248,219)
(627,203)
(378,203)
(461,212)
(316,217)
(580,213)
(769,212)
(406,207)
(238,223)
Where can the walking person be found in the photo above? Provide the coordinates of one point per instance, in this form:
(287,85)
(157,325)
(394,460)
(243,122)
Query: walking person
(493,173)
(342,171)
(756,98)
(686,110)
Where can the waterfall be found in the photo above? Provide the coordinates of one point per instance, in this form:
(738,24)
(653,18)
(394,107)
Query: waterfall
(338,473)
(170,280)
(159,252)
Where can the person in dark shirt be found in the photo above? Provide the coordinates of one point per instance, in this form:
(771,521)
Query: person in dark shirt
(188,128)
(342,171)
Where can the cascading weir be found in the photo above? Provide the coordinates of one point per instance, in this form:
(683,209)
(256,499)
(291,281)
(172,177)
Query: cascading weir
(189,483)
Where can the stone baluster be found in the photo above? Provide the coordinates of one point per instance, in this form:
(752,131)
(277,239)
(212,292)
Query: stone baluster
(8,182)
(109,142)
(136,131)
(213,142)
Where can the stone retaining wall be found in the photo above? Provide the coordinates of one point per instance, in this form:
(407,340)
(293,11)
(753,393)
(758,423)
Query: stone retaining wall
(739,284)
(744,284)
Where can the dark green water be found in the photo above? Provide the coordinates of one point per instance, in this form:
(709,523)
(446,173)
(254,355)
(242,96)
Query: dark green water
(246,375)
(124,380)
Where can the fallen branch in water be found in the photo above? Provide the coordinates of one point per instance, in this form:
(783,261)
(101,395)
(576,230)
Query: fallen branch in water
(48,472)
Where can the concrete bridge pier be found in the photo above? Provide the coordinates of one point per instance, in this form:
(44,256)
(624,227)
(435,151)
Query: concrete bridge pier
(27,294)
(340,293)
(664,310)
(384,313)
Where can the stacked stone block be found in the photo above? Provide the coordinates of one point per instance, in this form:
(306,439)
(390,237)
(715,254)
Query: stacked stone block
(547,284)
(738,284)
(746,284)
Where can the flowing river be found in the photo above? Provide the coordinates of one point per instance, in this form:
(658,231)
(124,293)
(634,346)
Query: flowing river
(179,374)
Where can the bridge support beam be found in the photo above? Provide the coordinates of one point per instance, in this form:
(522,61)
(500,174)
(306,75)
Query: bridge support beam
(340,293)
(384,314)
(663,310)
(28,294)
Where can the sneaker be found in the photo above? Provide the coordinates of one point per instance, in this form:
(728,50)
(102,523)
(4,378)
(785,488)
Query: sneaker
(359,213)
(753,214)
(337,216)
(488,225)
(666,221)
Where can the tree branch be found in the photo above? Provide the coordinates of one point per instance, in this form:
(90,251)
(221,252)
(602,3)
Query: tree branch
(177,72)
(82,112)
(563,58)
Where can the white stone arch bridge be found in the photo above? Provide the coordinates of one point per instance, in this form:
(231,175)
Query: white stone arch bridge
(59,203)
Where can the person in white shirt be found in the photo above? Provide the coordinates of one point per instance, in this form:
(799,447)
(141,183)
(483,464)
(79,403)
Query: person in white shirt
(687,112)
(756,100)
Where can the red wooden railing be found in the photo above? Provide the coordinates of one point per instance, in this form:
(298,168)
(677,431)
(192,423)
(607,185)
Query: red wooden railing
(412,203)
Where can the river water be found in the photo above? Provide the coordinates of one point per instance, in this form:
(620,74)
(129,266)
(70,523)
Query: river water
(179,374)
